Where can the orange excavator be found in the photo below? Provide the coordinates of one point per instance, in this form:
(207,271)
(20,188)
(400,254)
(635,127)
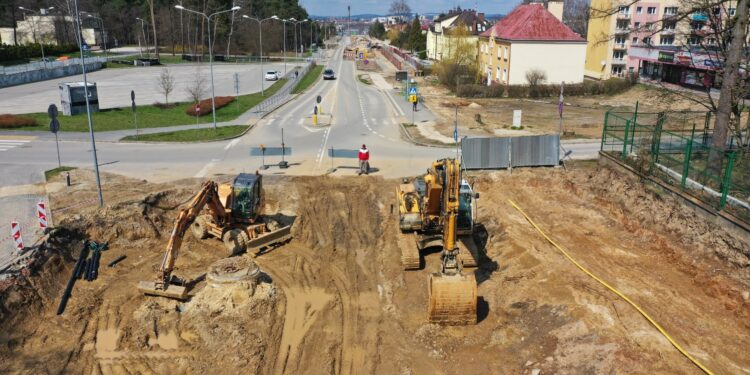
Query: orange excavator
(234,216)
(437,210)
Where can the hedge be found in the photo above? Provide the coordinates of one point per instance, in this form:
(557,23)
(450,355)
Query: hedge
(608,87)
(27,51)
(205,105)
(13,121)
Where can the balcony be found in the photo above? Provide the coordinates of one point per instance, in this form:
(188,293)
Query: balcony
(619,46)
(622,30)
(667,31)
(701,17)
(618,61)
(623,16)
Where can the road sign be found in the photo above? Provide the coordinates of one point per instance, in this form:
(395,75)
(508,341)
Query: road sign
(54,125)
(15,232)
(367,61)
(132,100)
(361,56)
(41,214)
(318,99)
(52,111)
(412,98)
(315,110)
(412,90)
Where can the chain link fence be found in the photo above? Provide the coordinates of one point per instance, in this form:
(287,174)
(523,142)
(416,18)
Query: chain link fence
(676,148)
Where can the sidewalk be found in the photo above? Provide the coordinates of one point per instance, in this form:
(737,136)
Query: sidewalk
(250,117)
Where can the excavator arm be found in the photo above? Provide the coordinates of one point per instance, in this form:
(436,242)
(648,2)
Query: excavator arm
(453,295)
(207,196)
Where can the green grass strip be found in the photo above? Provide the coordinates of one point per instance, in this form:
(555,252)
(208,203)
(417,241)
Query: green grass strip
(150,116)
(192,135)
(309,78)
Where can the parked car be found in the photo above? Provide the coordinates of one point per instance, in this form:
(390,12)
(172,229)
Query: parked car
(272,76)
(328,74)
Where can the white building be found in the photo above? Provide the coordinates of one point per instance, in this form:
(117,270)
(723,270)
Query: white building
(440,44)
(41,29)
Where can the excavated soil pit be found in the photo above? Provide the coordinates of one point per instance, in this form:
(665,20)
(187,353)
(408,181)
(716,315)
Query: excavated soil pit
(336,301)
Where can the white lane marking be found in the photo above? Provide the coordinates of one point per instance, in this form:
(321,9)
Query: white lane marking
(12,142)
(231,144)
(7,144)
(323,147)
(202,173)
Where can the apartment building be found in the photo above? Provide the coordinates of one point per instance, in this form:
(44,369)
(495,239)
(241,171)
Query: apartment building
(531,38)
(652,39)
(440,43)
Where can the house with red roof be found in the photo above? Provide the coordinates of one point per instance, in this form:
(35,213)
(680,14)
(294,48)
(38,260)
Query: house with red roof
(532,37)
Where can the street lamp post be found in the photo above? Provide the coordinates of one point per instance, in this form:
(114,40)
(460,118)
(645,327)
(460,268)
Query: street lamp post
(284,21)
(210,50)
(260,32)
(88,105)
(104,36)
(143,30)
(33,30)
(296,46)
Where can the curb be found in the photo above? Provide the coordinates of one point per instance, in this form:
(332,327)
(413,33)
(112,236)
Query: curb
(412,140)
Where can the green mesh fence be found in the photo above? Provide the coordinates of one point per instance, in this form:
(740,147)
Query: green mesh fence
(676,148)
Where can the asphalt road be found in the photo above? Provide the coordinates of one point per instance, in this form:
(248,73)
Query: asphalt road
(114,85)
(360,114)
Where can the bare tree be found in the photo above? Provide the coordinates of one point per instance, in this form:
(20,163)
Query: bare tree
(153,24)
(535,77)
(399,8)
(197,88)
(166,83)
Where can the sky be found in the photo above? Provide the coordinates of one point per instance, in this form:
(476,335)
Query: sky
(338,7)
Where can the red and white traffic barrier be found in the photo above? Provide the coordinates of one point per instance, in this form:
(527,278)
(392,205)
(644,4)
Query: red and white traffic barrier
(41,214)
(15,232)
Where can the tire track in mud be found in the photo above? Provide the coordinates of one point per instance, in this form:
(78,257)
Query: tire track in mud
(298,287)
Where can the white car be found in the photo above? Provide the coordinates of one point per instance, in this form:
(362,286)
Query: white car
(272,76)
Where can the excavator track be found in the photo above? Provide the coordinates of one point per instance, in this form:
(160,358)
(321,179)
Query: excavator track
(409,252)
(453,299)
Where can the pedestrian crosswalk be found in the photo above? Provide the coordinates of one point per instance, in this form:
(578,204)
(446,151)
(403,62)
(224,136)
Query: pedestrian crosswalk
(7,143)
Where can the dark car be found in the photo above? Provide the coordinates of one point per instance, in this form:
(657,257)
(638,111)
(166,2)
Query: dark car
(328,74)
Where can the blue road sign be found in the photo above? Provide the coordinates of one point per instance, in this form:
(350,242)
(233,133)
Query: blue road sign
(412,90)
(455,135)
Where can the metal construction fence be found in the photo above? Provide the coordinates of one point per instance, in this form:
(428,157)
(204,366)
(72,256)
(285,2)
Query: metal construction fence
(676,148)
(508,152)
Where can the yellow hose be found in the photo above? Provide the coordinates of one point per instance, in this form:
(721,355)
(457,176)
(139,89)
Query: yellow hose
(624,297)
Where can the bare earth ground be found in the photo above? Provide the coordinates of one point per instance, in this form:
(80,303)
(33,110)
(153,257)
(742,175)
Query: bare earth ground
(336,300)
(583,115)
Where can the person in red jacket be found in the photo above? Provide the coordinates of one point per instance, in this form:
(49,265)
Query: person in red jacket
(364,160)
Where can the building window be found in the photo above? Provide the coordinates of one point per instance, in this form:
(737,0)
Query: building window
(696,26)
(617,71)
(497,73)
(717,11)
(624,10)
(711,41)
(669,25)
(618,55)
(505,75)
(620,40)
(731,11)
(499,53)
(670,11)
(666,40)
(623,25)
(637,25)
(647,40)
(634,41)
(651,10)
(694,40)
(649,26)
(639,10)
(505,53)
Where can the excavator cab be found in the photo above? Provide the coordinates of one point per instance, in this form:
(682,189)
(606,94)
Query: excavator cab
(247,199)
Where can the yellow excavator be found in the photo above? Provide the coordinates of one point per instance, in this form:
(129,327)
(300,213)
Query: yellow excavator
(234,216)
(437,210)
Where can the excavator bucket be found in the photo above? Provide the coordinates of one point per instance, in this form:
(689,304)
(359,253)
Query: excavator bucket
(171,291)
(256,245)
(453,299)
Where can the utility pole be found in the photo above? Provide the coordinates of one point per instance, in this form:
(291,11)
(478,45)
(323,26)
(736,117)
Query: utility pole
(349,20)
